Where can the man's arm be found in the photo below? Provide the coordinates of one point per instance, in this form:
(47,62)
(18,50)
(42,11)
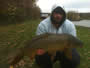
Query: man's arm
(72,30)
(41,29)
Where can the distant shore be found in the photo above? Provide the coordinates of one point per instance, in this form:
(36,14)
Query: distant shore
(85,23)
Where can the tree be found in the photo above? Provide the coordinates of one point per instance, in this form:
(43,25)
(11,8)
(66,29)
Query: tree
(19,9)
(73,15)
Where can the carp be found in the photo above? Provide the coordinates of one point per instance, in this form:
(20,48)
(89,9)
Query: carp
(48,43)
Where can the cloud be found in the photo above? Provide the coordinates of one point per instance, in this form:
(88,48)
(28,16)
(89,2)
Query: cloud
(77,4)
(46,5)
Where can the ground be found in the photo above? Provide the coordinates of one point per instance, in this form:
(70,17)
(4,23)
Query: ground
(14,36)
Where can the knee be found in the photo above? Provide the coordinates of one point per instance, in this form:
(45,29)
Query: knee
(43,60)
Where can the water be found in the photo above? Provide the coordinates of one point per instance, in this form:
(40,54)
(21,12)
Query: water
(85,23)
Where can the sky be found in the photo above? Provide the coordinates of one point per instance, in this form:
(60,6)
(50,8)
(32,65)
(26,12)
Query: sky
(76,5)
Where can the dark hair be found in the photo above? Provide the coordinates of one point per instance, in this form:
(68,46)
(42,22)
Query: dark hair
(60,11)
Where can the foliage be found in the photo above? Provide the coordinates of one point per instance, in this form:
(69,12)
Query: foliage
(73,15)
(18,9)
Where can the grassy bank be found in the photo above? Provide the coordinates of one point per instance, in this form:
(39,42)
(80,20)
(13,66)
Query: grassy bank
(14,36)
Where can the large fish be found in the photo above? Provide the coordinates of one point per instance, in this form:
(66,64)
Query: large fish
(48,43)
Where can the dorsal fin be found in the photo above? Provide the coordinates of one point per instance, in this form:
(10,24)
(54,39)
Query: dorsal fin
(35,38)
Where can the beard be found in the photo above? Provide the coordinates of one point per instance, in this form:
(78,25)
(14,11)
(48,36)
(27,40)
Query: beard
(60,11)
(57,21)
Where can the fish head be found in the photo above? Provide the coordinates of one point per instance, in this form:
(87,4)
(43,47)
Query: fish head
(77,44)
(74,42)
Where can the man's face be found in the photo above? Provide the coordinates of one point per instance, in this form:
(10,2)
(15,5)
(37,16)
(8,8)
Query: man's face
(57,17)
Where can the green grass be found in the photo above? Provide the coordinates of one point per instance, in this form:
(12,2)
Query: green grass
(84,35)
(14,36)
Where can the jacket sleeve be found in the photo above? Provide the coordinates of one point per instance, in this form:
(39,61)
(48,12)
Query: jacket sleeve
(40,29)
(72,30)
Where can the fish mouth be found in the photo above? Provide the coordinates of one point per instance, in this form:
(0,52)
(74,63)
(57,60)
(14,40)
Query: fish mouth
(40,51)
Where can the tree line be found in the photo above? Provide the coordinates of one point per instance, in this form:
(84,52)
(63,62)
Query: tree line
(19,9)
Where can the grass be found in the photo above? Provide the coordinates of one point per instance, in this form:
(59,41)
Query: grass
(14,36)
(84,35)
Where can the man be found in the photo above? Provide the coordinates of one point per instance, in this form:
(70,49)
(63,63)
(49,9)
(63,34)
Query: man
(57,23)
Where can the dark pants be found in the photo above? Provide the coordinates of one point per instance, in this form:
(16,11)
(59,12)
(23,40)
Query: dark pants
(44,61)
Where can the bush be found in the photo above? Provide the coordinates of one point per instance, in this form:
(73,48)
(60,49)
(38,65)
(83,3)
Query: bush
(73,15)
(18,10)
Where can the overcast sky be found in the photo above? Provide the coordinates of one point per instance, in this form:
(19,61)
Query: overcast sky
(77,5)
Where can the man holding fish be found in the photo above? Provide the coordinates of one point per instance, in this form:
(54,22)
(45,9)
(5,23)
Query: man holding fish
(55,40)
(57,24)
